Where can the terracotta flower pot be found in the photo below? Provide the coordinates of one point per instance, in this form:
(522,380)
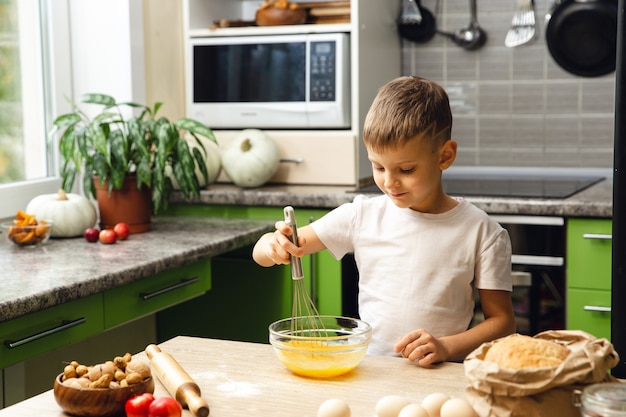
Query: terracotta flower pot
(130,205)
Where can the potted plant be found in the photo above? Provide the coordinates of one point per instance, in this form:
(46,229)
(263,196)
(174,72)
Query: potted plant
(114,152)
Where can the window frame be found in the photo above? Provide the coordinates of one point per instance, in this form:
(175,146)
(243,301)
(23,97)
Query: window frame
(53,27)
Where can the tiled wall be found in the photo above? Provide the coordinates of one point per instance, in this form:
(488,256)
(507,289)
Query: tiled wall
(514,106)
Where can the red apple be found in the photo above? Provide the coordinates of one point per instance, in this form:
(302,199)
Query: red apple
(121,230)
(107,236)
(91,234)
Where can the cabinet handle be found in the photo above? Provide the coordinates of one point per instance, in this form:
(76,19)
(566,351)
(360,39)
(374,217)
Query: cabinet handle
(597,236)
(183,283)
(292,160)
(600,309)
(65,324)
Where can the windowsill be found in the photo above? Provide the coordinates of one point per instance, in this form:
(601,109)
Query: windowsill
(16,196)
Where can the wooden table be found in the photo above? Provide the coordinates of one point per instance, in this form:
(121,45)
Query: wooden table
(240,379)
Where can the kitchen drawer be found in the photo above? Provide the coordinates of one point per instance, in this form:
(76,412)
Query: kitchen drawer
(589,310)
(153,294)
(48,329)
(308,157)
(589,253)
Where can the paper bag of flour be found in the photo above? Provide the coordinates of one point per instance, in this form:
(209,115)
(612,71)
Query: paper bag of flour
(496,391)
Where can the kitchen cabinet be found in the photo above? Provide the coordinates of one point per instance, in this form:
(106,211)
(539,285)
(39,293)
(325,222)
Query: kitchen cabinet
(304,153)
(94,328)
(588,265)
(40,332)
(163,290)
(245,297)
(53,327)
(36,374)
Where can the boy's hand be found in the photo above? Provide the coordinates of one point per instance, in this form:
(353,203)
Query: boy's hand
(421,346)
(278,245)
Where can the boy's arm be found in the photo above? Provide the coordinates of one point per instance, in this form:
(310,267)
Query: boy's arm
(499,322)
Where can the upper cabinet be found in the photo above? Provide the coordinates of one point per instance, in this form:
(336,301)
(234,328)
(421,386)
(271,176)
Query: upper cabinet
(307,152)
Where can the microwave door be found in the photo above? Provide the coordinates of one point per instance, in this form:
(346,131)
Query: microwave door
(249,73)
(249,82)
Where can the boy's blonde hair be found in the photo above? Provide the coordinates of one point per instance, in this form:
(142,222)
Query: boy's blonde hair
(406,107)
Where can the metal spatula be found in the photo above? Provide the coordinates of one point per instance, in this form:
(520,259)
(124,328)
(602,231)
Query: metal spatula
(522,29)
(410,13)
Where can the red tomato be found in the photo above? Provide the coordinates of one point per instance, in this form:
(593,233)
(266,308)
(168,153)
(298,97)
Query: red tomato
(138,405)
(107,236)
(165,407)
(91,234)
(121,230)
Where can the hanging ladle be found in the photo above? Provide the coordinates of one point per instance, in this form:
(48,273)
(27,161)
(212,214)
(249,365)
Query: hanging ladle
(470,37)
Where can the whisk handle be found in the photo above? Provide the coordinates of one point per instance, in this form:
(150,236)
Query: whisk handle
(296,263)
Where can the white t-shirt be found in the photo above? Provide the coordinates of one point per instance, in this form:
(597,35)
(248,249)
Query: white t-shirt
(417,270)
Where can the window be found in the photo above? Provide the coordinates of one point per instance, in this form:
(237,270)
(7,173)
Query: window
(31,32)
(59,49)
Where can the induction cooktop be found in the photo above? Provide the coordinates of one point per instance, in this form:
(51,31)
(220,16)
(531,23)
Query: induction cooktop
(518,186)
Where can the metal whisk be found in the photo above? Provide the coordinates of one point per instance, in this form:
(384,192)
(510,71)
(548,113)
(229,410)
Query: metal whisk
(305,319)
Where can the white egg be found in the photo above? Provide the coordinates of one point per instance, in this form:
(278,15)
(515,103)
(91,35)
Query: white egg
(457,407)
(433,402)
(390,405)
(334,408)
(413,410)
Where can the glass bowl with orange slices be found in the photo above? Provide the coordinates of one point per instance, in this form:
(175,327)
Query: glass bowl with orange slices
(26,231)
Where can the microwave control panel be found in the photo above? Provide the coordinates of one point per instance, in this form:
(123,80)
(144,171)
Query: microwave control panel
(322,70)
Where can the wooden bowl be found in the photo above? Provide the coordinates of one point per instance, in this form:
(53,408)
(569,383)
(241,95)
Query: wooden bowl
(97,402)
(272,16)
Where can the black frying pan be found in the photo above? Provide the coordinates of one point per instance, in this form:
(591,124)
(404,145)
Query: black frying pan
(581,36)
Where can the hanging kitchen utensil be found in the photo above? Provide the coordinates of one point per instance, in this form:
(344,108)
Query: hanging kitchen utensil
(581,36)
(470,37)
(416,23)
(522,29)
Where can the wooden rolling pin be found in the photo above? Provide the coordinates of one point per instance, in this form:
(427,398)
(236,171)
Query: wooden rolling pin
(177,382)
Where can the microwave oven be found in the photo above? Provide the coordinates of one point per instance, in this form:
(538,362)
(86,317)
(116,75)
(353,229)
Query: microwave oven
(295,81)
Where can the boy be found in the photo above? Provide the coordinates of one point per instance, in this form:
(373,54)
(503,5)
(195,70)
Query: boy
(419,251)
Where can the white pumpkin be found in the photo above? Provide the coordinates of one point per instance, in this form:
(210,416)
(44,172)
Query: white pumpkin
(212,158)
(251,159)
(70,213)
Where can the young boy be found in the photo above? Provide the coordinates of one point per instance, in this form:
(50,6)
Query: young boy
(419,252)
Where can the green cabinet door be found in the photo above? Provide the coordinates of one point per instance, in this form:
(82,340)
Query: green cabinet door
(590,311)
(50,328)
(589,253)
(149,295)
(322,271)
(245,297)
(588,272)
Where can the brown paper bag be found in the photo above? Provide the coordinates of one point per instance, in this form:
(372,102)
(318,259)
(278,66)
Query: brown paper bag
(539,392)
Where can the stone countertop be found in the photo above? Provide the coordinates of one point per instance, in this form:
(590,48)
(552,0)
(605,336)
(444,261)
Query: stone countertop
(595,201)
(66,269)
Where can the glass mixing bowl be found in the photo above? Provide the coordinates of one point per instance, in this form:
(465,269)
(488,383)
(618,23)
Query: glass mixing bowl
(320,347)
